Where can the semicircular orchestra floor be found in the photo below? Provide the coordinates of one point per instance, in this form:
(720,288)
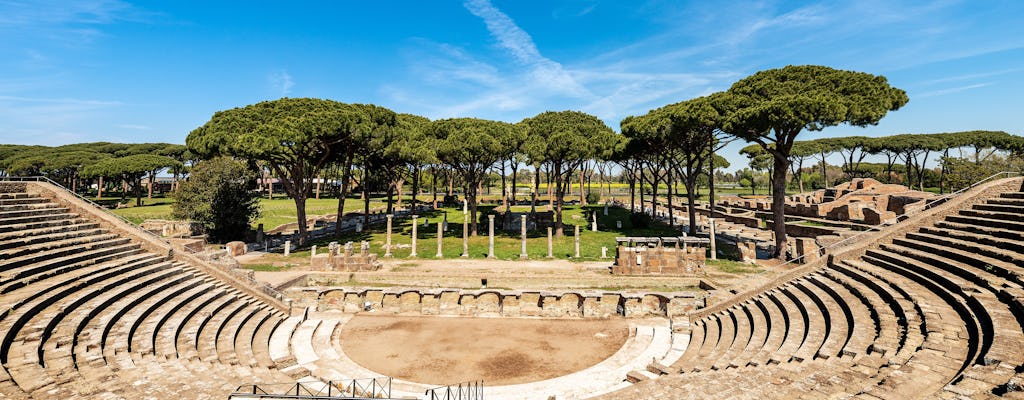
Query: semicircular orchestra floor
(516,358)
(499,351)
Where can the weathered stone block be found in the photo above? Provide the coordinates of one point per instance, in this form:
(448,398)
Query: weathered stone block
(409,302)
(449,303)
(510,306)
(488,304)
(235,248)
(530,305)
(430,304)
(390,303)
(609,305)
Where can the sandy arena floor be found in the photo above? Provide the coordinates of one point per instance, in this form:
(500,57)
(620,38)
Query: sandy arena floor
(499,351)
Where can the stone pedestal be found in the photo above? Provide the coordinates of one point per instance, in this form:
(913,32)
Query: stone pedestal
(550,247)
(312,251)
(465,235)
(522,253)
(387,240)
(287,248)
(235,249)
(577,240)
(490,236)
(604,252)
(440,239)
(413,250)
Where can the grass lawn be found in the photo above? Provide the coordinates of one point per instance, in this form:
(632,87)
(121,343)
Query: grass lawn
(507,245)
(274,212)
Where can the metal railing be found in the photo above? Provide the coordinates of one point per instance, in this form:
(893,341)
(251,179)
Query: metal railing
(473,390)
(366,388)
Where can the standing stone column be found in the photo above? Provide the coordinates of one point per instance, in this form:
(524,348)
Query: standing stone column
(287,247)
(522,253)
(387,241)
(577,241)
(711,230)
(413,253)
(440,239)
(490,236)
(551,254)
(465,235)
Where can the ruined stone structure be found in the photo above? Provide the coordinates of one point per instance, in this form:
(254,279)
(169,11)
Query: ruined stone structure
(497,303)
(683,256)
(862,200)
(344,258)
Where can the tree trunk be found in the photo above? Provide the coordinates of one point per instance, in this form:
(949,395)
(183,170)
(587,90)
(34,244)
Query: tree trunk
(345,178)
(99,188)
(390,193)
(556,171)
(471,194)
(366,196)
(318,181)
(536,189)
(433,183)
(632,193)
(504,188)
(399,186)
(691,202)
(583,197)
(149,190)
(515,171)
(415,186)
(779,207)
(671,212)
(138,191)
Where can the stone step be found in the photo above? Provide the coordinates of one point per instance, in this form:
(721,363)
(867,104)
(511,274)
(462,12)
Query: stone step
(16,220)
(21,224)
(1003,208)
(10,215)
(1012,195)
(8,244)
(996,222)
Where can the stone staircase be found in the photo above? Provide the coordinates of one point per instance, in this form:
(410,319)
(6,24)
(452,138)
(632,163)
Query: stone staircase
(88,312)
(936,310)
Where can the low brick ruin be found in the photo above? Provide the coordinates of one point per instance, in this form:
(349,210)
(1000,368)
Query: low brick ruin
(651,256)
(346,259)
(862,200)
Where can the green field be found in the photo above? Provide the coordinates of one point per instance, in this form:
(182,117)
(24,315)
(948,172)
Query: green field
(273,212)
(507,244)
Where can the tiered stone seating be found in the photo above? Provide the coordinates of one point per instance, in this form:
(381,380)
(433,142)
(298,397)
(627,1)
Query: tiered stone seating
(87,312)
(937,311)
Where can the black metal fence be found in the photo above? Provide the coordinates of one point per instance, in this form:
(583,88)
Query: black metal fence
(368,388)
(461,391)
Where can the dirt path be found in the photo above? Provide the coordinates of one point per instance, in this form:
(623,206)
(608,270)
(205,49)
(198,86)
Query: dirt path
(499,351)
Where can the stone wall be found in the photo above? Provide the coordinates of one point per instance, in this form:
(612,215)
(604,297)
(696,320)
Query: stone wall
(659,260)
(495,303)
(346,259)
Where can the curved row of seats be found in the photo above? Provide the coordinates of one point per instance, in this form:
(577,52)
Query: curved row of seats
(86,313)
(935,312)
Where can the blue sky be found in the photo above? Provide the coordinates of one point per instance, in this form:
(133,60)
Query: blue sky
(108,70)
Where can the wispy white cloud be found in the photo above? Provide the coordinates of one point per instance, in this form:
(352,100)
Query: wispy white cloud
(521,46)
(281,82)
(135,127)
(957,89)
